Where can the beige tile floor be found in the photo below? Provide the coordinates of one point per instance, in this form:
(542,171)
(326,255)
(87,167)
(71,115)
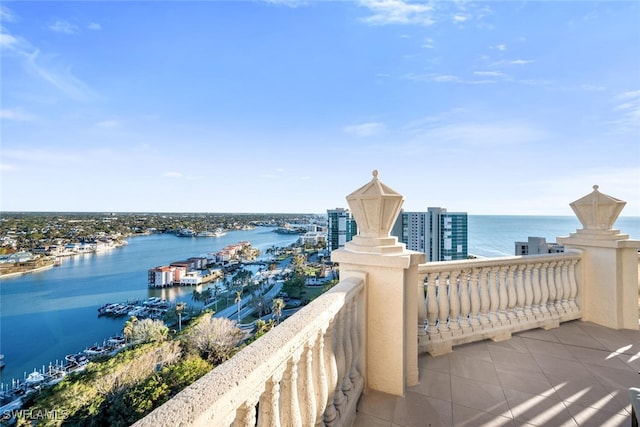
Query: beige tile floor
(576,375)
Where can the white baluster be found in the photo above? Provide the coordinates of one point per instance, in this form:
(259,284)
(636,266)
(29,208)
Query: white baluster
(269,409)
(474,295)
(573,292)
(513,296)
(552,289)
(537,292)
(330,413)
(422,306)
(528,292)
(544,291)
(306,391)
(289,404)
(432,305)
(443,306)
(494,297)
(503,296)
(465,302)
(559,288)
(454,302)
(348,350)
(354,372)
(520,293)
(321,379)
(566,286)
(485,301)
(245,415)
(338,398)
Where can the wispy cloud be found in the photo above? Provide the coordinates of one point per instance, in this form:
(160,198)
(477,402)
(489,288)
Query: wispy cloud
(497,74)
(628,106)
(365,129)
(287,3)
(500,47)
(64,27)
(486,134)
(449,78)
(172,174)
(6,15)
(460,18)
(16,114)
(386,12)
(94,26)
(59,76)
(109,124)
(507,62)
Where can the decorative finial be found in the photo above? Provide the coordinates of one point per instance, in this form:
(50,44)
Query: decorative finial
(375,174)
(595,187)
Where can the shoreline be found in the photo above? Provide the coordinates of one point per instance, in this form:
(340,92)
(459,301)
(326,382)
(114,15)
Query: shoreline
(29,271)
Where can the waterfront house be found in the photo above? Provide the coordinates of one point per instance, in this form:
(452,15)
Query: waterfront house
(546,339)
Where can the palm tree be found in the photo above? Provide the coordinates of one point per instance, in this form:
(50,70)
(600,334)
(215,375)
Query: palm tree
(238,301)
(129,328)
(196,296)
(206,295)
(179,309)
(276,308)
(216,291)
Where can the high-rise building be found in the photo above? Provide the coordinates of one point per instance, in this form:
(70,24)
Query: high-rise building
(341,227)
(441,235)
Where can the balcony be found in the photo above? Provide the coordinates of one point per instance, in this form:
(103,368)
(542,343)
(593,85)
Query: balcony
(536,340)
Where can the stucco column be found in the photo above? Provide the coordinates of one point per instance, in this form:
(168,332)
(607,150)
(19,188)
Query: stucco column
(391,311)
(609,263)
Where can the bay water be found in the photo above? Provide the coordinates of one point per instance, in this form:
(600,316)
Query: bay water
(47,315)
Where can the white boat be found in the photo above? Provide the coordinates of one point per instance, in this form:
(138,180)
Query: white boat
(34,378)
(95,350)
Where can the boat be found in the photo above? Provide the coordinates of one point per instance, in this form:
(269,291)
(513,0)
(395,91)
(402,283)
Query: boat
(76,360)
(1,361)
(116,341)
(34,378)
(95,350)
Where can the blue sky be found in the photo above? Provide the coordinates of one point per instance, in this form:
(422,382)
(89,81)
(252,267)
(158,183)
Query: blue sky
(497,107)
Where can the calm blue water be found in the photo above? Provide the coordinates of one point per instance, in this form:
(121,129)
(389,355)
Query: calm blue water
(495,235)
(46,315)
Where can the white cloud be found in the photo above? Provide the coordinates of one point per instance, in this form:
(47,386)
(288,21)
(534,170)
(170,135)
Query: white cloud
(94,26)
(386,12)
(476,135)
(6,15)
(500,47)
(61,78)
(16,114)
(507,62)
(64,27)
(364,129)
(429,43)
(491,74)
(173,174)
(629,108)
(460,18)
(288,3)
(7,41)
(108,124)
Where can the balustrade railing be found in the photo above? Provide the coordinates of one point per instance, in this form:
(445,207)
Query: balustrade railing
(305,372)
(472,300)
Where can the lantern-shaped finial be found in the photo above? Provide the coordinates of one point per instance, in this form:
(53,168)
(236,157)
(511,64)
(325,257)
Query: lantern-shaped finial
(375,208)
(597,211)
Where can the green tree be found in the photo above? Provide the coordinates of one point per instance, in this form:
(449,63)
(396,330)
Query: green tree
(196,296)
